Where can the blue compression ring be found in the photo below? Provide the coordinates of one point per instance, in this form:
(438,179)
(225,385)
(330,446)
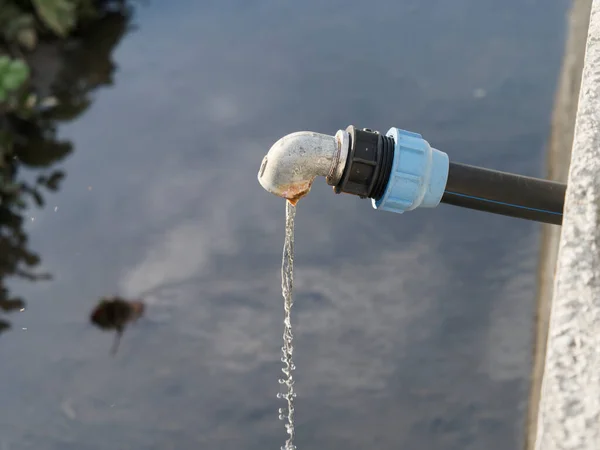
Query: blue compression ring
(418,176)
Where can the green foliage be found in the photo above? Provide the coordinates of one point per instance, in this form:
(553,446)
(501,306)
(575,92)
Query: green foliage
(24,21)
(28,123)
(21,28)
(13,74)
(58,15)
(27,139)
(14,19)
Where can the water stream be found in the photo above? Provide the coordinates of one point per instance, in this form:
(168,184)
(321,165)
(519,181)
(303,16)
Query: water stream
(287,280)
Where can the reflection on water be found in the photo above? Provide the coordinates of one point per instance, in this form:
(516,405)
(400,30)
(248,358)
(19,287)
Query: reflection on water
(412,331)
(114,314)
(31,148)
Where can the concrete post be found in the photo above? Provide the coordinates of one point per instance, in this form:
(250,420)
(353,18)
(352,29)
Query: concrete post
(569,409)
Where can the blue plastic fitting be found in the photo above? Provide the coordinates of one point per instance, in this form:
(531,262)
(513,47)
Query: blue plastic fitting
(418,176)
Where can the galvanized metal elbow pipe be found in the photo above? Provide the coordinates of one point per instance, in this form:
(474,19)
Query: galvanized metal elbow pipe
(399,172)
(294,161)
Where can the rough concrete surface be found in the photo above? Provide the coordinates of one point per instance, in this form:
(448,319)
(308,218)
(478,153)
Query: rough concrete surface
(569,407)
(557,162)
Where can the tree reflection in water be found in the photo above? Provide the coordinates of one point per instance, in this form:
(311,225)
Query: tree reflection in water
(28,136)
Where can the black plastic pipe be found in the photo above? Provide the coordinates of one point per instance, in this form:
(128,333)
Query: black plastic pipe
(505,193)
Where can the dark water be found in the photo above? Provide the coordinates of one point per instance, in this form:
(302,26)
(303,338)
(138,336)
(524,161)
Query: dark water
(412,331)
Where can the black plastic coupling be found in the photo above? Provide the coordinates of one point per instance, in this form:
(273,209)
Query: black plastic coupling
(368,165)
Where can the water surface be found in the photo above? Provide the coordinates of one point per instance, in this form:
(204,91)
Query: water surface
(411,331)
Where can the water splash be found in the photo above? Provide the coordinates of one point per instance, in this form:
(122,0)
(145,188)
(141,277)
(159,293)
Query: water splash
(287,281)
